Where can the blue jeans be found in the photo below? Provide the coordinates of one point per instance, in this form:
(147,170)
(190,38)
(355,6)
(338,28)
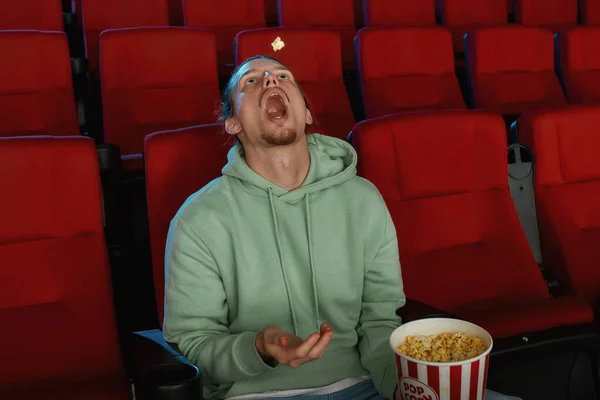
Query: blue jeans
(361,391)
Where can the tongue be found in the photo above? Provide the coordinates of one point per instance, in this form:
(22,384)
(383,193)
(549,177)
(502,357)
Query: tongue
(275,107)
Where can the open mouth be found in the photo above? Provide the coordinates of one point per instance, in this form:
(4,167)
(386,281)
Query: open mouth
(275,106)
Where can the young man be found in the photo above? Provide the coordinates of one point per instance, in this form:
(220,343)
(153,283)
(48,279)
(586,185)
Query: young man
(283,276)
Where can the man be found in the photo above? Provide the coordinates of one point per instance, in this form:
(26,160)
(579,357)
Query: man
(283,276)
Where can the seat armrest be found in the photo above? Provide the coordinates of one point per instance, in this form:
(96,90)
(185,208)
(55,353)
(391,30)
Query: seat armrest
(161,373)
(413,310)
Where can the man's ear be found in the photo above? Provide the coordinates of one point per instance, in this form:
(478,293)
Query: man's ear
(232,126)
(309,117)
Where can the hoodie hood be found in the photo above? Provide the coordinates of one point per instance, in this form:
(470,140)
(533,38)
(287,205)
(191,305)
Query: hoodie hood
(332,162)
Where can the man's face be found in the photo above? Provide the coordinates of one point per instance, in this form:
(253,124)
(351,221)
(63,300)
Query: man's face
(269,109)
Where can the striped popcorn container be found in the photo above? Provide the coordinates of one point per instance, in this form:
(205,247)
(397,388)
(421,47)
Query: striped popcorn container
(421,380)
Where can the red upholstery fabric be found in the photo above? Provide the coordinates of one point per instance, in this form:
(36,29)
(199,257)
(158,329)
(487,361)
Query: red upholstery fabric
(590,12)
(155,79)
(509,6)
(462,248)
(314,57)
(55,285)
(555,15)
(567,189)
(511,69)
(43,15)
(100,15)
(399,13)
(178,164)
(93,391)
(461,16)
(580,64)
(225,18)
(36,89)
(404,69)
(336,15)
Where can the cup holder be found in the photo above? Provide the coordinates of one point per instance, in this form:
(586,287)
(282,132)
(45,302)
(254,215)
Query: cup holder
(173,381)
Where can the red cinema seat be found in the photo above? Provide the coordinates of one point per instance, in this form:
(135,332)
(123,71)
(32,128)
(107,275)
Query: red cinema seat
(36,88)
(555,15)
(565,144)
(462,247)
(590,12)
(42,15)
(60,337)
(511,69)
(580,64)
(461,16)
(337,15)
(399,13)
(314,57)
(155,79)
(178,164)
(405,69)
(100,15)
(225,18)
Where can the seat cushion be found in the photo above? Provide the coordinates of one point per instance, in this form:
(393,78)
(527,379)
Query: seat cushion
(112,390)
(509,318)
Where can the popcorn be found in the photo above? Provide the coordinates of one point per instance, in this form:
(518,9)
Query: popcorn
(277,44)
(445,347)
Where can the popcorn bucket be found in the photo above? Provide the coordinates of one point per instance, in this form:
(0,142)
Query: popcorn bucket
(423,380)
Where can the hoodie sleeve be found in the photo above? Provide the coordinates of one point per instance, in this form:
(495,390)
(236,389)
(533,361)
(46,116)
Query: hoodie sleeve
(382,295)
(196,311)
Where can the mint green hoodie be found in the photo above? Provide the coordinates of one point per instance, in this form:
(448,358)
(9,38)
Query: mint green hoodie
(243,253)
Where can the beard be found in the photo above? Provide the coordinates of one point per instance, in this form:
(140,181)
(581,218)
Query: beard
(284,137)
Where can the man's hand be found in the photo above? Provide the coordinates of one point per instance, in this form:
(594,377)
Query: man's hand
(288,349)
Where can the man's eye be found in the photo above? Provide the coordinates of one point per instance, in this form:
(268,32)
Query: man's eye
(283,76)
(250,81)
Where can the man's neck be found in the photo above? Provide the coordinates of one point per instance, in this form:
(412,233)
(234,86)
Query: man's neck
(285,166)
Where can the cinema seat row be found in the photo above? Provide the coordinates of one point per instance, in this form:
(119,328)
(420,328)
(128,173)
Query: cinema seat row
(456,224)
(226,18)
(152,79)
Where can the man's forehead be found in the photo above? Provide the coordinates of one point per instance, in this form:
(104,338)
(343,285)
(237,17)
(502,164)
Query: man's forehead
(259,65)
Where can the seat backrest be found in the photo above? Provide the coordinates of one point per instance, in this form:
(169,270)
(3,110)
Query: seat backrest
(405,69)
(314,56)
(551,14)
(55,284)
(473,12)
(590,12)
(443,176)
(155,79)
(316,13)
(225,18)
(36,88)
(42,15)
(580,64)
(223,13)
(178,164)
(100,15)
(511,69)
(566,143)
(399,13)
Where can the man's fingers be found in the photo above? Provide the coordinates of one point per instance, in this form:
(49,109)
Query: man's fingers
(319,348)
(302,350)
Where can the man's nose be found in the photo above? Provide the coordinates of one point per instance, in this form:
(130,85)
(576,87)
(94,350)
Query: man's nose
(270,79)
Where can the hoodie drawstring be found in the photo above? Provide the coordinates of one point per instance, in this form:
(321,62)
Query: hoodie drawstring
(310,257)
(312,262)
(281,262)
